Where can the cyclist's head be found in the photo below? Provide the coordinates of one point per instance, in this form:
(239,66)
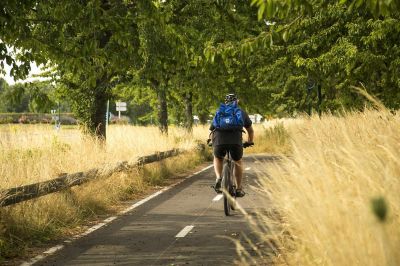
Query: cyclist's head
(231,97)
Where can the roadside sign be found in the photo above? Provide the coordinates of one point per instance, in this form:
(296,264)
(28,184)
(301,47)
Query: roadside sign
(121,104)
(120,107)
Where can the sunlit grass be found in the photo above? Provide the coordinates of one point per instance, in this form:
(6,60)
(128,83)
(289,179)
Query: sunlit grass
(32,153)
(320,198)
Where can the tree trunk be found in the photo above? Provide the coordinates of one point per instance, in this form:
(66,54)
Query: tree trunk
(162,111)
(309,99)
(89,105)
(162,107)
(188,111)
(203,117)
(319,94)
(99,108)
(98,117)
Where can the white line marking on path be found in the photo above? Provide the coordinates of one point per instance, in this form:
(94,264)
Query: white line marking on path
(218,197)
(198,172)
(248,168)
(54,249)
(137,204)
(185,231)
(42,256)
(108,220)
(33,261)
(92,229)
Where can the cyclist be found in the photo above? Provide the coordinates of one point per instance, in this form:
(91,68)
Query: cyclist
(231,140)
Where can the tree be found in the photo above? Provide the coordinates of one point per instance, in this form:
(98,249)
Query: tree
(36,97)
(96,40)
(316,56)
(15,98)
(40,97)
(282,8)
(333,49)
(141,101)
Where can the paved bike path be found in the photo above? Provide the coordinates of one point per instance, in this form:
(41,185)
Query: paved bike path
(147,234)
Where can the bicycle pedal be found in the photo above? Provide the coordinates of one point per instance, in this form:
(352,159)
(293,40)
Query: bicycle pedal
(218,191)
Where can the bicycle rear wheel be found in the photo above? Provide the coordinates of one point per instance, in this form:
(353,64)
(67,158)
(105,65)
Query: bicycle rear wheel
(226,188)
(233,199)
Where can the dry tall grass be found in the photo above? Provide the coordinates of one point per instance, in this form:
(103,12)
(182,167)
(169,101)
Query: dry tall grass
(36,153)
(270,138)
(33,153)
(323,194)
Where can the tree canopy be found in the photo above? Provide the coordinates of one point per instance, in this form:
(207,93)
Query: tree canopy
(172,59)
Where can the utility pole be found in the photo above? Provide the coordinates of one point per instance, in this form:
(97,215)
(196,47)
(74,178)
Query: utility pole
(59,115)
(107,114)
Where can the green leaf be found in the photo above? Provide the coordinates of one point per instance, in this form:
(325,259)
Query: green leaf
(358,3)
(260,12)
(8,60)
(285,35)
(270,9)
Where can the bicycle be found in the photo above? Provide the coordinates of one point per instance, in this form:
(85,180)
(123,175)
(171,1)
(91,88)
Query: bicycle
(229,181)
(228,185)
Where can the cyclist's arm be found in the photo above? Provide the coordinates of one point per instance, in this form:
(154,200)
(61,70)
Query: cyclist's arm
(250,134)
(249,128)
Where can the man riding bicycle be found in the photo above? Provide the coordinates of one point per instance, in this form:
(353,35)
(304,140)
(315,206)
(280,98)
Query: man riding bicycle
(229,139)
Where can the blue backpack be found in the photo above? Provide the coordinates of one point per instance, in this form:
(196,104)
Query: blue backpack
(228,117)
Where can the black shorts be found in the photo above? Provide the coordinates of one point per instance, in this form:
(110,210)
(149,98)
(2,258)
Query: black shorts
(235,150)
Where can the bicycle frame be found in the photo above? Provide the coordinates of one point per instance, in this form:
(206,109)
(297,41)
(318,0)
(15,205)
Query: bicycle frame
(228,184)
(231,165)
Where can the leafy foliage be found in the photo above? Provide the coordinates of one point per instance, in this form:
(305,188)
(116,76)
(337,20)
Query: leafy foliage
(282,8)
(172,59)
(35,97)
(311,59)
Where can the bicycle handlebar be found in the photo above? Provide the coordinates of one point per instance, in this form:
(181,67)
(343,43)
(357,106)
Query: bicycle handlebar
(245,144)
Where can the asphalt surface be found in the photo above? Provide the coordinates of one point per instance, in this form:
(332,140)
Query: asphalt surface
(147,234)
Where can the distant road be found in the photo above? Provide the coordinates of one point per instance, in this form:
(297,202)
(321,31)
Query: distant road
(185,225)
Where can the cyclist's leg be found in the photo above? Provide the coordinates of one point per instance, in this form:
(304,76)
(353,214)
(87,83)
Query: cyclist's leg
(237,154)
(218,163)
(238,173)
(219,154)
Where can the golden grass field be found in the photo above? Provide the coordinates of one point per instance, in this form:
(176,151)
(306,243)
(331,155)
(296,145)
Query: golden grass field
(328,198)
(32,153)
(319,196)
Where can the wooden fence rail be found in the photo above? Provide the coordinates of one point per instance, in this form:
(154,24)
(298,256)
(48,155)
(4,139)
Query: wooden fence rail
(15,195)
